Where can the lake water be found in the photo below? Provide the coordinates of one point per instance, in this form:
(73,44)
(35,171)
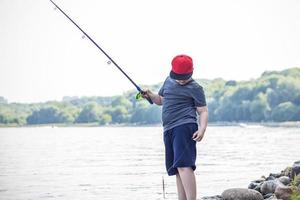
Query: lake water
(126,163)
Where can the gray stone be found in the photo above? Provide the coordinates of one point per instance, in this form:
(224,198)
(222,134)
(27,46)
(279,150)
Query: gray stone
(296,168)
(217,197)
(269,186)
(270,178)
(273,197)
(258,188)
(262,179)
(276,175)
(285,180)
(253,185)
(287,172)
(283,192)
(241,194)
(268,195)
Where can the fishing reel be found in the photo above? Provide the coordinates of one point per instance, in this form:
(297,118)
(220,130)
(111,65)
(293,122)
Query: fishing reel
(139,96)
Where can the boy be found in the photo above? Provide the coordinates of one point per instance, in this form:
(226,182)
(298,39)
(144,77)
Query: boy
(182,98)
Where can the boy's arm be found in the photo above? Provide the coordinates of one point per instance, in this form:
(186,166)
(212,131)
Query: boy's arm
(203,120)
(157,99)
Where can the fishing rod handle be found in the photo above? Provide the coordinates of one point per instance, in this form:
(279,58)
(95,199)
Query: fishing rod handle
(148,98)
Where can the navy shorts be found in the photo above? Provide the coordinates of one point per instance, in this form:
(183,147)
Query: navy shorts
(180,148)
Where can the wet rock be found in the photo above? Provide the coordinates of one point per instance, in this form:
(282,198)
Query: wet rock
(269,186)
(241,194)
(296,168)
(283,192)
(285,180)
(217,197)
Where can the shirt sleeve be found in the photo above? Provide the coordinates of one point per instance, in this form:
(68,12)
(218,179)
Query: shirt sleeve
(199,97)
(161,91)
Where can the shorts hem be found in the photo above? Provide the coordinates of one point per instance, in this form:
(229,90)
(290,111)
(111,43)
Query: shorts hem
(173,171)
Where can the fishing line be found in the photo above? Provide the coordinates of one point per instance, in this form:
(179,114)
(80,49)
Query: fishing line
(110,60)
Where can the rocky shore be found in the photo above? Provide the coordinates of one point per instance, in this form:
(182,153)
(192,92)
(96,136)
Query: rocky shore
(284,185)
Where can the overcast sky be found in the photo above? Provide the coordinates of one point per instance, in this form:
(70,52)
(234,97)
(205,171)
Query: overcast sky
(43,56)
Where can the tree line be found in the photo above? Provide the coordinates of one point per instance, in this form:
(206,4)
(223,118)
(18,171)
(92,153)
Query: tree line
(273,97)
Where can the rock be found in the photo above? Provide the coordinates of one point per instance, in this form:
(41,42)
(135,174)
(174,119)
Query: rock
(217,197)
(287,172)
(258,188)
(273,197)
(268,195)
(269,186)
(296,168)
(270,178)
(253,185)
(283,192)
(276,175)
(262,179)
(241,194)
(285,180)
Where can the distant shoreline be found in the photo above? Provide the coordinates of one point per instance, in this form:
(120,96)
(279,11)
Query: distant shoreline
(294,124)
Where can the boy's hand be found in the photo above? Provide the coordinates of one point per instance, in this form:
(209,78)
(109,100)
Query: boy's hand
(146,93)
(198,135)
(155,98)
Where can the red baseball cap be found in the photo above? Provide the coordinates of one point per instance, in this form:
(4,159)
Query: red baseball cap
(182,67)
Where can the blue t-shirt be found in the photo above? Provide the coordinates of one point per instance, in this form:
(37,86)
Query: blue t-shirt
(180,102)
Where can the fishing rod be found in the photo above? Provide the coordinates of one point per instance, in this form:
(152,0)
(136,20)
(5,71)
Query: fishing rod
(140,91)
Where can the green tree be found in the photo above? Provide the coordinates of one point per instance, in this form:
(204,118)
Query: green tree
(2,119)
(120,114)
(213,104)
(139,115)
(231,83)
(283,89)
(89,113)
(153,114)
(286,111)
(272,97)
(122,101)
(259,108)
(241,94)
(297,114)
(46,116)
(243,111)
(105,119)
